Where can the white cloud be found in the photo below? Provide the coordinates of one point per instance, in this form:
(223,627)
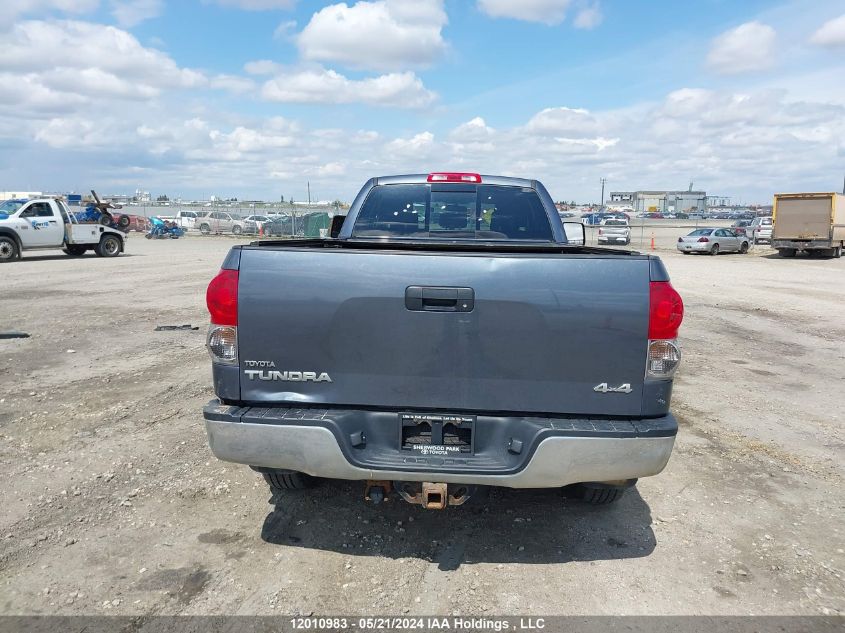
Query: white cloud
(96,81)
(831,33)
(284,30)
(687,102)
(70,132)
(563,122)
(747,48)
(247,140)
(92,60)
(329,169)
(473,131)
(233,84)
(12,9)
(545,11)
(404,90)
(752,142)
(588,17)
(32,99)
(382,35)
(262,67)
(417,146)
(128,13)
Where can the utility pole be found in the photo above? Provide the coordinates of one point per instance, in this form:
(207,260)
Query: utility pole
(603,180)
(309,193)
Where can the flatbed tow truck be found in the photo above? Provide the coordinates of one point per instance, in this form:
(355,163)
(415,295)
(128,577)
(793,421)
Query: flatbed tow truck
(44,223)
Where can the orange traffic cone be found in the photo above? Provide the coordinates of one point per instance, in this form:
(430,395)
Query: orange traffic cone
(261,232)
(652,241)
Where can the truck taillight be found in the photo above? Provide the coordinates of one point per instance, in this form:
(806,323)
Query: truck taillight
(663,359)
(222,343)
(222,301)
(600,232)
(665,314)
(222,298)
(665,311)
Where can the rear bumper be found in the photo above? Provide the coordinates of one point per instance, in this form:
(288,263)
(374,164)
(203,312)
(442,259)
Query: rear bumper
(696,247)
(554,452)
(804,245)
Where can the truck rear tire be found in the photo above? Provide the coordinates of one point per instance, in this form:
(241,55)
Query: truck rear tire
(109,246)
(8,249)
(74,250)
(288,480)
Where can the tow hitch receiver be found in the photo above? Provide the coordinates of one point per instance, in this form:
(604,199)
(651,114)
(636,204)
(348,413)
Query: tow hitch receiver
(433,496)
(377,491)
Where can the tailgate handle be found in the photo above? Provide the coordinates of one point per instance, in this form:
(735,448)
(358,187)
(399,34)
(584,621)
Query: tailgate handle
(439,299)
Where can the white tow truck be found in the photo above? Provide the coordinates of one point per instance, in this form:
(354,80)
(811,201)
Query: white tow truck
(48,223)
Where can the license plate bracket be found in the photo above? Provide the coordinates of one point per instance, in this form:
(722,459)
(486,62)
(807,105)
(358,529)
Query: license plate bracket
(441,434)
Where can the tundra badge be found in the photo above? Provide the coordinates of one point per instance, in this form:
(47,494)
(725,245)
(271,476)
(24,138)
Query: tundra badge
(288,376)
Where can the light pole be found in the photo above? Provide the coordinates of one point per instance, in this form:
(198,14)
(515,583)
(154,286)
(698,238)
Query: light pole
(603,180)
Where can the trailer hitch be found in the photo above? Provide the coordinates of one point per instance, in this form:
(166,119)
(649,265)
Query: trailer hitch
(376,490)
(434,496)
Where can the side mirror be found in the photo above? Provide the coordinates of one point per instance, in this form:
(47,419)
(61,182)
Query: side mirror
(575,233)
(337,222)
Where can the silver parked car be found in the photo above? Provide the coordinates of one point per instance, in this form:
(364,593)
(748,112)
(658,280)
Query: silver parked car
(252,223)
(219,222)
(713,242)
(760,230)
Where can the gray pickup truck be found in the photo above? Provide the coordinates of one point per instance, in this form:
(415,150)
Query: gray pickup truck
(447,337)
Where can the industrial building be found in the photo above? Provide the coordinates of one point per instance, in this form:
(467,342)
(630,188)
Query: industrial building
(18,195)
(659,201)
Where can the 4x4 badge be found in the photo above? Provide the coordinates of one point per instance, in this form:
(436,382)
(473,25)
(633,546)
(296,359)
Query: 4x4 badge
(623,388)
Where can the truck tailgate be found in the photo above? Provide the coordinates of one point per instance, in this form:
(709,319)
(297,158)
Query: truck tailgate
(803,218)
(539,334)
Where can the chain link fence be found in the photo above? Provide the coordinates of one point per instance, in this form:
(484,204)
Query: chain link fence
(270,219)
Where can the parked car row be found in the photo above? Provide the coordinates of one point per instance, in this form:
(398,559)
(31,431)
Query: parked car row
(208,222)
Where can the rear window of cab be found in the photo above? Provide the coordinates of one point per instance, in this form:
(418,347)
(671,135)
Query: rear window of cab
(482,212)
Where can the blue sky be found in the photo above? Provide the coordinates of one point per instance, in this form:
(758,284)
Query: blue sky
(253,98)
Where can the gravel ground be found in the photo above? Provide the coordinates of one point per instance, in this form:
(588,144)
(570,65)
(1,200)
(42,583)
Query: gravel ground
(113,503)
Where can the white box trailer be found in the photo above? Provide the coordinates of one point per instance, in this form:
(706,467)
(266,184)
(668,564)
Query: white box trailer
(811,222)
